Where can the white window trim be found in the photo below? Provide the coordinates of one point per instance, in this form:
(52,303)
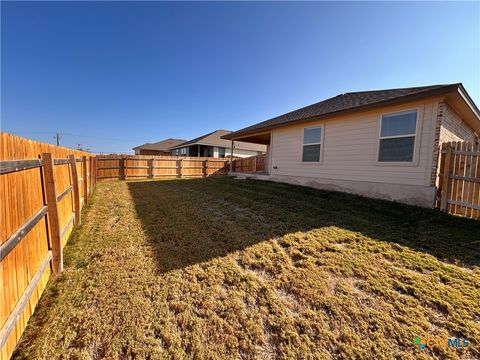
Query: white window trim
(321,143)
(416,144)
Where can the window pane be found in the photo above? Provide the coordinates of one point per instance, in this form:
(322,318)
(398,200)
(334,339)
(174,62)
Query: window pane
(399,149)
(312,135)
(311,153)
(399,124)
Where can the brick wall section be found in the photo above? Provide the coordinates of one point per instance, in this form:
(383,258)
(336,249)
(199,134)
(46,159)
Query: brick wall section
(453,128)
(449,127)
(436,147)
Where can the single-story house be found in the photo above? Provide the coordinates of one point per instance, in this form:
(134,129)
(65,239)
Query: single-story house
(158,148)
(382,144)
(212,145)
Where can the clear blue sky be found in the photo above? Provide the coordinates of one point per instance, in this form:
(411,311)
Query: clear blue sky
(126,73)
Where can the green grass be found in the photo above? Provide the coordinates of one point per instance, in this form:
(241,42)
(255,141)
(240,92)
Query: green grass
(222,268)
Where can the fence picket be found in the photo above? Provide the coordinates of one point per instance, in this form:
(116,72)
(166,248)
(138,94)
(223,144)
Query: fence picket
(445,189)
(476,189)
(469,183)
(459,179)
(251,164)
(142,166)
(26,259)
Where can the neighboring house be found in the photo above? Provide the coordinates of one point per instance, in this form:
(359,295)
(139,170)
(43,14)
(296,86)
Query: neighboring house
(158,148)
(212,145)
(381,144)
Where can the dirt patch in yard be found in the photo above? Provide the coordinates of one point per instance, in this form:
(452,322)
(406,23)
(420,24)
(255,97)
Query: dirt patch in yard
(224,269)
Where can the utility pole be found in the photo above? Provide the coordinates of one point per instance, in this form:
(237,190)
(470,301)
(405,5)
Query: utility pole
(57,136)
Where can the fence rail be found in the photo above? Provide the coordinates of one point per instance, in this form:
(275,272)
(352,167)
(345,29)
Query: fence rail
(40,203)
(459,179)
(126,167)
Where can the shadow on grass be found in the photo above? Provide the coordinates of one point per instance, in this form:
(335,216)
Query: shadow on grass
(193,221)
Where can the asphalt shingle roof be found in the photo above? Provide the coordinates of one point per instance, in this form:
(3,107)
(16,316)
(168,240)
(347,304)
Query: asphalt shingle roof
(163,145)
(348,102)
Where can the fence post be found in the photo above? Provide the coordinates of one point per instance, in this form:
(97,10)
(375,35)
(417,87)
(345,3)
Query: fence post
(121,169)
(446,178)
(204,168)
(152,168)
(85,179)
(255,164)
(53,225)
(231,157)
(180,168)
(76,190)
(94,172)
(91,174)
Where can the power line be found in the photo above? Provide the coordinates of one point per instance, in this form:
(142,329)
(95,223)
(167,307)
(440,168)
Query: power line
(33,132)
(68,144)
(99,137)
(56,134)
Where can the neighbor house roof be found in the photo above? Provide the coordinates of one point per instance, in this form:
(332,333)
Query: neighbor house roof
(215,139)
(163,145)
(355,101)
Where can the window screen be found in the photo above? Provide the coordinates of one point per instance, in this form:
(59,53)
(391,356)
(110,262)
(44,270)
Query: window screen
(397,137)
(312,143)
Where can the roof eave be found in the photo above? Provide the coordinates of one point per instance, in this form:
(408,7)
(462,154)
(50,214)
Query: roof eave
(150,149)
(205,144)
(191,144)
(139,146)
(469,101)
(435,92)
(179,146)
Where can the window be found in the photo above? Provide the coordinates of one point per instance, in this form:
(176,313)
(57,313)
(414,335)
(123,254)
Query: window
(397,137)
(221,152)
(312,142)
(183,151)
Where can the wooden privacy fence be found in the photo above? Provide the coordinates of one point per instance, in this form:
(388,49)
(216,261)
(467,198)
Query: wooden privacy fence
(251,164)
(43,188)
(459,179)
(125,167)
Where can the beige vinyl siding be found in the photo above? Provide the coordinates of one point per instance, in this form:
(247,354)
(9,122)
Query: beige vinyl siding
(350,149)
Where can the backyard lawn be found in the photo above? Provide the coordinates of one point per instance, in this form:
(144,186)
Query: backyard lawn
(239,269)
